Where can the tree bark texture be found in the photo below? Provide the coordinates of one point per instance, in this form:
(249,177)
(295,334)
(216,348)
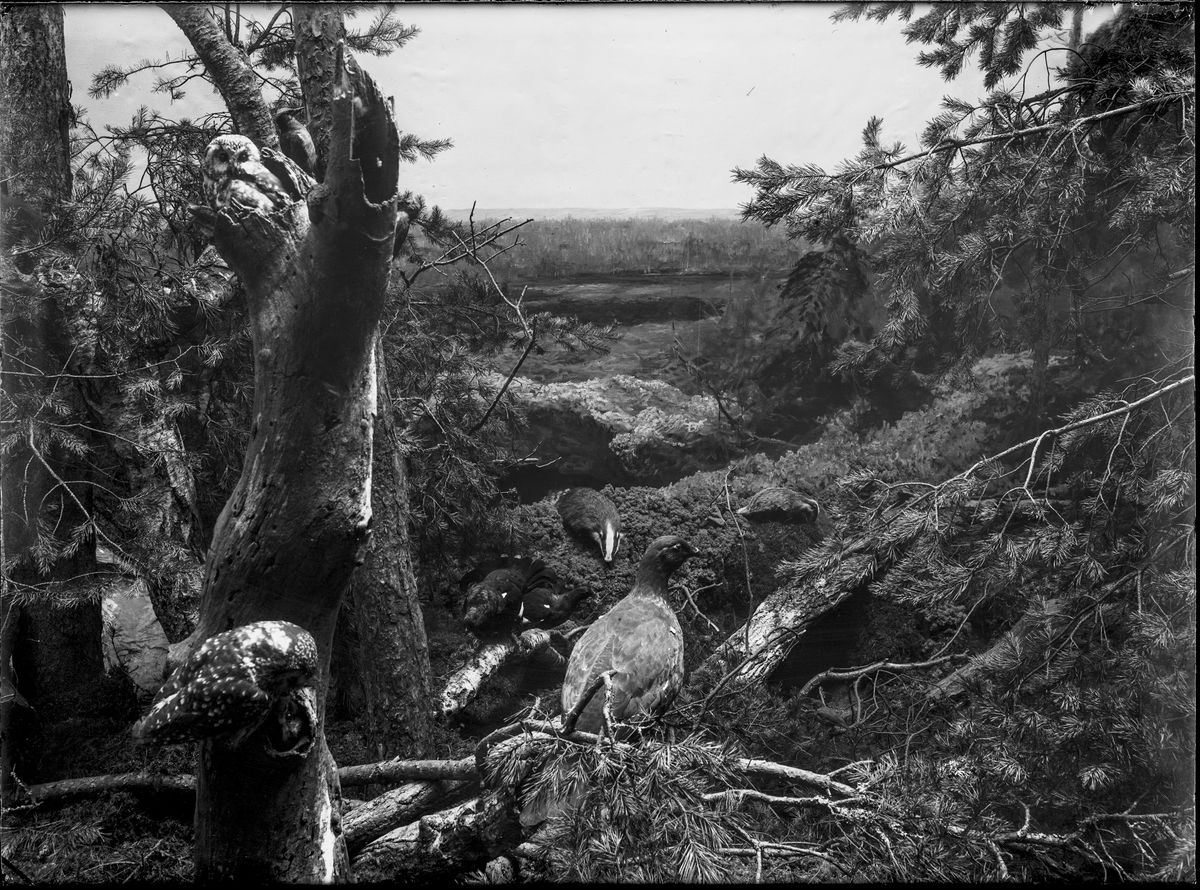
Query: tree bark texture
(453,840)
(390,771)
(397,807)
(36,96)
(387,659)
(318,28)
(466,683)
(229,70)
(391,654)
(287,541)
(776,626)
(56,650)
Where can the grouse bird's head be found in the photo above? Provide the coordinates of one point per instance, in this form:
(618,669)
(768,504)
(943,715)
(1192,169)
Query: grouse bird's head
(662,557)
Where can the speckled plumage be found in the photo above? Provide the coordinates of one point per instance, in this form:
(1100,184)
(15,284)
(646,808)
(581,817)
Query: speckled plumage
(235,178)
(588,513)
(639,639)
(780,505)
(230,683)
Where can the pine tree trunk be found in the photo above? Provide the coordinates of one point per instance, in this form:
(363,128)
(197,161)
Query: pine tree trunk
(229,69)
(56,649)
(318,27)
(392,653)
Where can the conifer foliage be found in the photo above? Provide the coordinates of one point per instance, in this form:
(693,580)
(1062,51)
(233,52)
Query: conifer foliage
(152,395)
(1032,712)
(1013,221)
(1059,221)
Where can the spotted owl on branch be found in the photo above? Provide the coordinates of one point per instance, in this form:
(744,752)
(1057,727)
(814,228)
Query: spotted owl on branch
(235,178)
(233,683)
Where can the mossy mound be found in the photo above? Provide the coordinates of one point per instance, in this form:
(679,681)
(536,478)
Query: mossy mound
(970,416)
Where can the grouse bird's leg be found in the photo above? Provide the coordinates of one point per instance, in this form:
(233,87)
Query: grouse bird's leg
(607,727)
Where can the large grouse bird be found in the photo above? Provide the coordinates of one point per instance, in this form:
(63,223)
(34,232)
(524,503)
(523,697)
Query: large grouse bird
(638,639)
(780,505)
(588,513)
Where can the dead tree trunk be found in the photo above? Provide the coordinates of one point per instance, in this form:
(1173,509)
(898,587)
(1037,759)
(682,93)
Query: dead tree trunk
(391,659)
(292,532)
(389,656)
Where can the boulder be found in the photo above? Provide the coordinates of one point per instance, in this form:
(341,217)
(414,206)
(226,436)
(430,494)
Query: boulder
(619,429)
(133,638)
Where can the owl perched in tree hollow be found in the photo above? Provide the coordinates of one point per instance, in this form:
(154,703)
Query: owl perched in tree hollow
(233,682)
(235,178)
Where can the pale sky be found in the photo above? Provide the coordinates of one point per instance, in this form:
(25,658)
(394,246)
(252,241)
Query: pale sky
(629,105)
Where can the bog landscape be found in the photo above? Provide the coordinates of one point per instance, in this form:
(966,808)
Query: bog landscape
(846,535)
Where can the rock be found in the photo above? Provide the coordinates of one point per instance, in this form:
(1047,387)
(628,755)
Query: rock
(133,638)
(619,429)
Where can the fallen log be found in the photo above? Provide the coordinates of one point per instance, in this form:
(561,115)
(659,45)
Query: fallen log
(375,818)
(463,837)
(399,770)
(94,785)
(465,683)
(753,651)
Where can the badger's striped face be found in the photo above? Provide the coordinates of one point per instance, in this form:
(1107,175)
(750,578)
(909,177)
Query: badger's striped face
(611,542)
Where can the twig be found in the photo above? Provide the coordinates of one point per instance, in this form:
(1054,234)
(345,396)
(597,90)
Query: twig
(496,401)
(737,795)
(687,593)
(782,850)
(871,669)
(572,716)
(956,144)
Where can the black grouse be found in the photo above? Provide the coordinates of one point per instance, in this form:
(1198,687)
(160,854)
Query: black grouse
(547,604)
(492,596)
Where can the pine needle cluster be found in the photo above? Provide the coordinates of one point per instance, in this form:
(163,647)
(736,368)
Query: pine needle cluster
(648,812)
(1006,226)
(1078,563)
(137,391)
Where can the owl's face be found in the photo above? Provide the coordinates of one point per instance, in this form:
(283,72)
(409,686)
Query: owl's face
(230,150)
(225,156)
